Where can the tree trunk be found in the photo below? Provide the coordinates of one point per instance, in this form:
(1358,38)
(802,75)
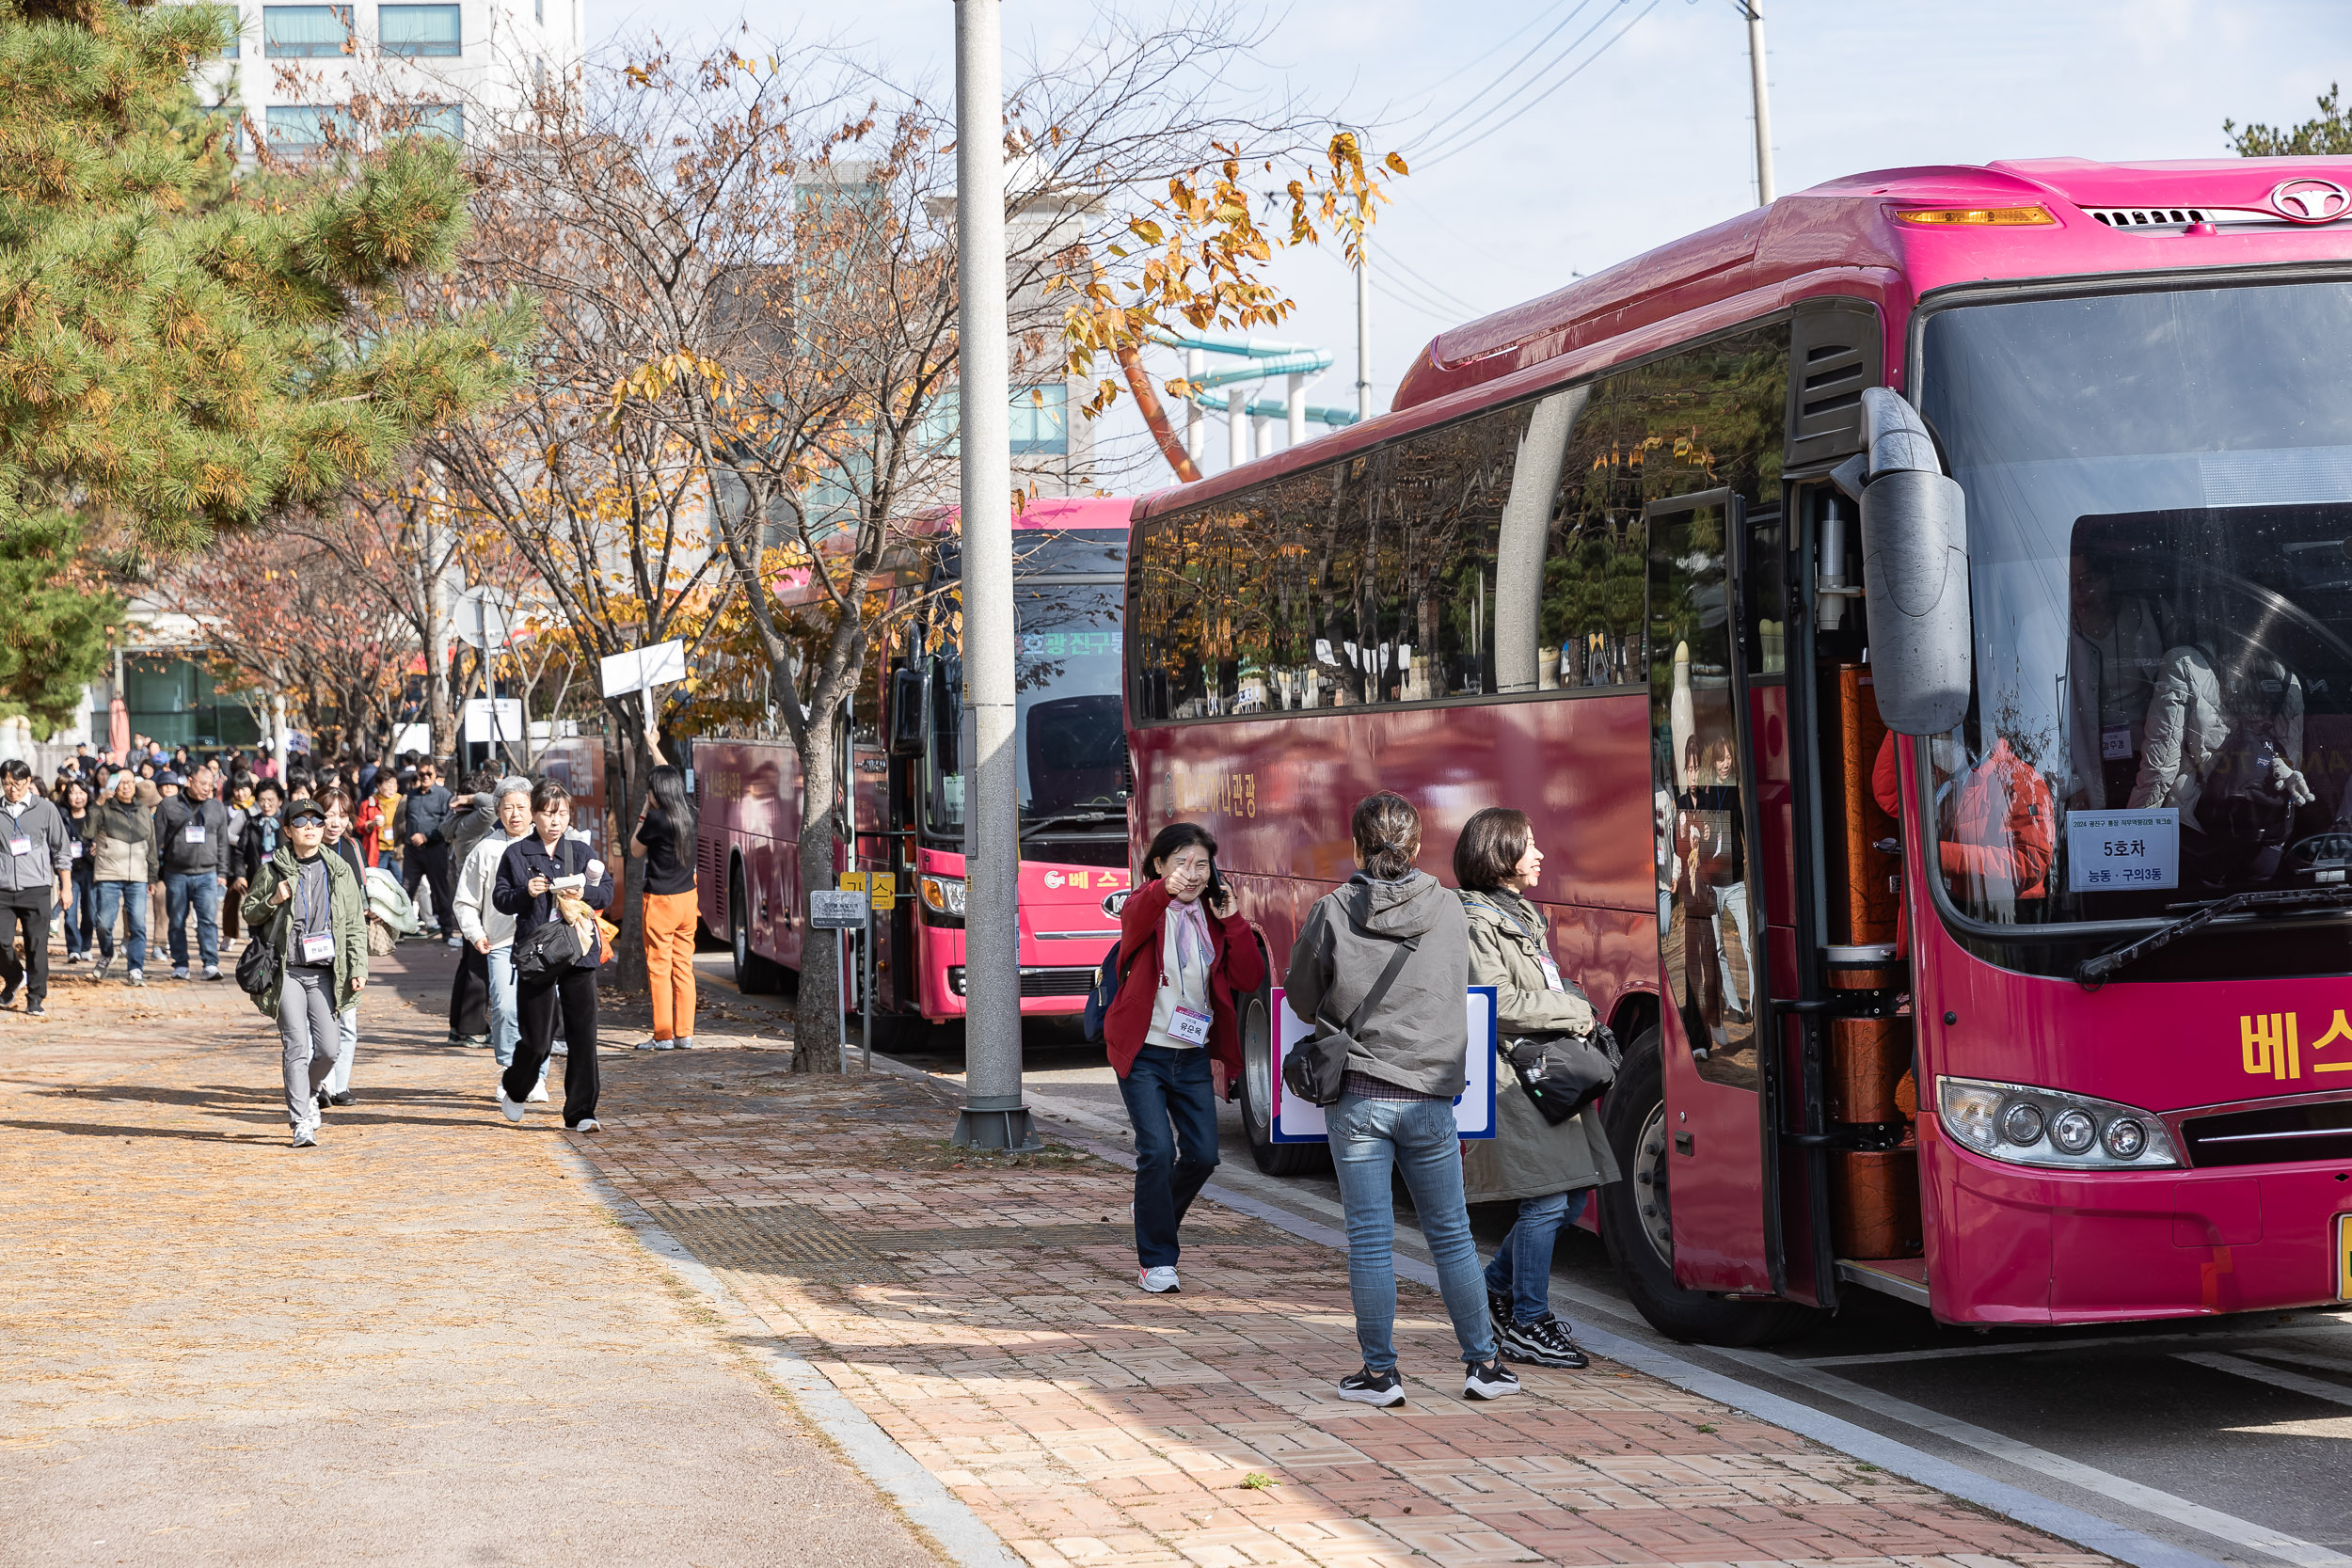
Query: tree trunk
(817,1018)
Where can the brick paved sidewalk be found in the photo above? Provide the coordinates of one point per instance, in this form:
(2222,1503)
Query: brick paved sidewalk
(985,1315)
(419,1343)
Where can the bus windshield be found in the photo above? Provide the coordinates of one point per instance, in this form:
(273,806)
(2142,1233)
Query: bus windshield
(2159,495)
(1071,749)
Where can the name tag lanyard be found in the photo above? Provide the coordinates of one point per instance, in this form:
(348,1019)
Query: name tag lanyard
(1543,954)
(315,945)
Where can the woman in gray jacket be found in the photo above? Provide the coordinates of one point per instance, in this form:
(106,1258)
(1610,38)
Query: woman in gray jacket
(1381,961)
(1549,1170)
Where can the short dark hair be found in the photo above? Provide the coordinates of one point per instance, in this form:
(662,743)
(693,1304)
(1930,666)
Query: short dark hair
(1175,836)
(547,792)
(1493,843)
(1387,830)
(269,787)
(15,767)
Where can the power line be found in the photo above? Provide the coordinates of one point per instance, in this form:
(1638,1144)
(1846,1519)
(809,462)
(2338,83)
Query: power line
(1436,291)
(1462,145)
(1465,106)
(1462,68)
(1488,111)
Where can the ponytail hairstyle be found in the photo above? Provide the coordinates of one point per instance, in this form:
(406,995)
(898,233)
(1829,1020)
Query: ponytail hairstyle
(1387,830)
(667,786)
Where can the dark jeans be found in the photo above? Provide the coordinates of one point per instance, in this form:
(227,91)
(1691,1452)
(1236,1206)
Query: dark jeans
(81,911)
(469,994)
(201,891)
(1522,1265)
(429,863)
(26,911)
(1171,1102)
(536,1005)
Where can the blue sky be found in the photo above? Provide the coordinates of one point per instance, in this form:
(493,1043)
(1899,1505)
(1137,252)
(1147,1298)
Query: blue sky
(1652,138)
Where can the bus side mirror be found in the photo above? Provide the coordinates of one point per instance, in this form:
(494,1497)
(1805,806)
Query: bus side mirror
(1915,578)
(1915,569)
(906,710)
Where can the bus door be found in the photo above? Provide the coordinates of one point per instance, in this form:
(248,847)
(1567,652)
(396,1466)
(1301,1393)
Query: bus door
(1715,1013)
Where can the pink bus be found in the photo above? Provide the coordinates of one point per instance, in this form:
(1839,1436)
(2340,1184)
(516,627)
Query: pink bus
(907,759)
(2052,1039)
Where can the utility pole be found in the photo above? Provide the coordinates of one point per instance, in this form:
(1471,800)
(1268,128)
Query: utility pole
(1763,106)
(1363,327)
(994,1115)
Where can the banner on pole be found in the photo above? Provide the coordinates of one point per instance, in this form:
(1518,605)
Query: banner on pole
(642,669)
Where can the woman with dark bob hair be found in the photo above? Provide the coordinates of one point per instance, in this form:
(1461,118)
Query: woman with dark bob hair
(532,872)
(1182,956)
(1547,1170)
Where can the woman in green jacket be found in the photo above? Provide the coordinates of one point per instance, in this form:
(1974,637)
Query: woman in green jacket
(1549,1170)
(310,905)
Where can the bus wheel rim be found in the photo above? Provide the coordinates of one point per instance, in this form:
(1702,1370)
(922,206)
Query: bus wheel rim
(1256,1065)
(1650,1202)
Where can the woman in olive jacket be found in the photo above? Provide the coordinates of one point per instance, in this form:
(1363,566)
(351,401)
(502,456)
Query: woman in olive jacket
(1549,1170)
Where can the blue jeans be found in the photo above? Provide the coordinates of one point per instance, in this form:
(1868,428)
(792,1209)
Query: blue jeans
(1522,1265)
(1171,1102)
(1418,1138)
(202,888)
(130,899)
(505,1022)
(81,914)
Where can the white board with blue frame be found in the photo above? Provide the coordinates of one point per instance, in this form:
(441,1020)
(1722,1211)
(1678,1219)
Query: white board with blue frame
(1294,1121)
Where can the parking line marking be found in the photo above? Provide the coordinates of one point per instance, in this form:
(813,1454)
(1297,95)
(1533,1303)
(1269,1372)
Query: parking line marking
(2243,1533)
(2335,1393)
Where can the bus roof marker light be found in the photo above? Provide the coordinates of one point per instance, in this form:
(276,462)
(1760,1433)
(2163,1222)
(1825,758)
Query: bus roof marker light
(1992,217)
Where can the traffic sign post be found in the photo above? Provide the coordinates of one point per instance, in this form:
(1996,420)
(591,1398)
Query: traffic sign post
(842,911)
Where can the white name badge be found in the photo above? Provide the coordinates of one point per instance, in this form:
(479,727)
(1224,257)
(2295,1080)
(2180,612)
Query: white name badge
(73,850)
(318,948)
(1189,1026)
(1551,973)
(2115,851)
(20,844)
(193,833)
(2115,745)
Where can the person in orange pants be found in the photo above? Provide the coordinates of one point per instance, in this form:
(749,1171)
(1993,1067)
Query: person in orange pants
(664,840)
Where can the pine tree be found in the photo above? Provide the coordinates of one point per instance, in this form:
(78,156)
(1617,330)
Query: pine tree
(186,349)
(2330,132)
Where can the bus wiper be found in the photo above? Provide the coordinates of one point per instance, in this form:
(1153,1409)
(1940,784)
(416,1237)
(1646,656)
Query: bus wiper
(2093,973)
(1090,818)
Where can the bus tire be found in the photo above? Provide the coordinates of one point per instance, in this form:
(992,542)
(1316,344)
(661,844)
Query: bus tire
(753,974)
(1258,1068)
(1637,1222)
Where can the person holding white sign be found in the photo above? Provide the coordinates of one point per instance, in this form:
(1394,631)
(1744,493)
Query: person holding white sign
(1182,955)
(1378,970)
(1549,1168)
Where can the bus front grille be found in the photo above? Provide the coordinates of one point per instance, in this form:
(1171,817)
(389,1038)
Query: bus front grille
(1036,982)
(2272,1135)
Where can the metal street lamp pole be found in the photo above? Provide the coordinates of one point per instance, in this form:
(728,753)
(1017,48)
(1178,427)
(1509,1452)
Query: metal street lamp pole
(1763,106)
(1363,327)
(994,1115)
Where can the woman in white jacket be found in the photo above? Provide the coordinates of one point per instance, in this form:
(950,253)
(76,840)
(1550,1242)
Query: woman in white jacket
(491,933)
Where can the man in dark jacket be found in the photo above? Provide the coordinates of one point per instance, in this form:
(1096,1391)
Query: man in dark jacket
(192,832)
(33,868)
(426,857)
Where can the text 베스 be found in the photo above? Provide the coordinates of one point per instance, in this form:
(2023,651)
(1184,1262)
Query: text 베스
(2270,1045)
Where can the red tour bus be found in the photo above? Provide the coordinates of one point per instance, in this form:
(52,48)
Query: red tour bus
(2045,466)
(907,759)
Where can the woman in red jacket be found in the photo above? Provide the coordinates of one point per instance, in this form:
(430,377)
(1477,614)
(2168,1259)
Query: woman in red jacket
(1182,955)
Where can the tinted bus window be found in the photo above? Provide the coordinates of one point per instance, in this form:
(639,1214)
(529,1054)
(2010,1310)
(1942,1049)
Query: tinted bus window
(1420,571)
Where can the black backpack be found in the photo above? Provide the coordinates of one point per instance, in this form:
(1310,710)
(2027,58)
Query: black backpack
(1106,991)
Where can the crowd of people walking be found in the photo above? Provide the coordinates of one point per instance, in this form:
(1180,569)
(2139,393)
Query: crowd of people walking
(314,866)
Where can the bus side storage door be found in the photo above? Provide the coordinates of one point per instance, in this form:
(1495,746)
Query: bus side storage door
(1715,1012)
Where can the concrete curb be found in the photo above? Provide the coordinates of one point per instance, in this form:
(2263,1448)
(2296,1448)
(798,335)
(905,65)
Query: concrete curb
(919,1495)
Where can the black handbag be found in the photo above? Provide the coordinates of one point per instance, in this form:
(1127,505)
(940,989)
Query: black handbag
(1564,1073)
(1316,1068)
(549,953)
(261,964)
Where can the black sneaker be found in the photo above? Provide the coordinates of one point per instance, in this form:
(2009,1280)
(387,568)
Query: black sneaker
(7,994)
(36,1009)
(1370,1387)
(1489,1382)
(1544,1342)
(345,1097)
(324,1100)
(1499,1311)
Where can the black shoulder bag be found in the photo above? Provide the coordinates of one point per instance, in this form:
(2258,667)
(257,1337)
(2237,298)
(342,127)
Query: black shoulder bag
(1316,1068)
(553,949)
(1563,1073)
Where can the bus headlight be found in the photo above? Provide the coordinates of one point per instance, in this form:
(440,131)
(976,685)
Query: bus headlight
(944,895)
(2025,1125)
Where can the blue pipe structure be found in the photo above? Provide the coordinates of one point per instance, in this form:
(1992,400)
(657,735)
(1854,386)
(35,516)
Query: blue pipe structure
(1267,360)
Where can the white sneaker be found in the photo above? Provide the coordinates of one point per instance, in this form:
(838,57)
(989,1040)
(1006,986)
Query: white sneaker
(457,941)
(588,1124)
(1159,1281)
(561,1047)
(538,1094)
(513,1108)
(684,1043)
(179,972)
(306,1137)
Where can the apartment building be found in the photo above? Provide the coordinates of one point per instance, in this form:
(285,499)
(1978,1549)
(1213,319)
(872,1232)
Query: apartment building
(453,67)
